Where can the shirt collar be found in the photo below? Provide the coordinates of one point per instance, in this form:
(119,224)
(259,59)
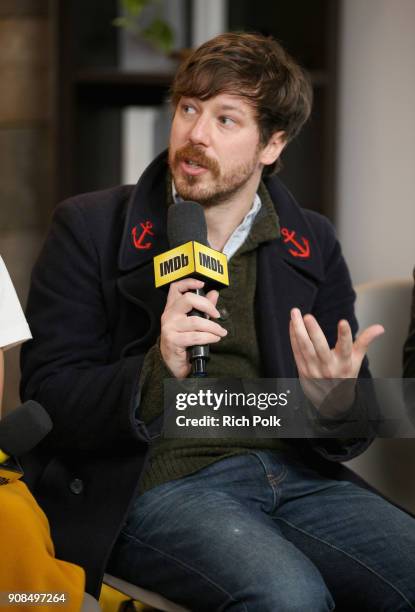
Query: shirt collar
(240,233)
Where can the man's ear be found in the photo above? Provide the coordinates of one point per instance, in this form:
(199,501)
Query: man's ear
(271,152)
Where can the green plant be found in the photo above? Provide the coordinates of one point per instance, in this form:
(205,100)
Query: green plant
(151,27)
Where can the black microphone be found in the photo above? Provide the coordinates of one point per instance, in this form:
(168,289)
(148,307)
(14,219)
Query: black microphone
(189,253)
(20,431)
(186,222)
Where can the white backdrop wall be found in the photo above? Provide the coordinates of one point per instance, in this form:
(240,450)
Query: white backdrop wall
(376,156)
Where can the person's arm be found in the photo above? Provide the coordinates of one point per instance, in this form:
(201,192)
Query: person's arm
(330,351)
(68,367)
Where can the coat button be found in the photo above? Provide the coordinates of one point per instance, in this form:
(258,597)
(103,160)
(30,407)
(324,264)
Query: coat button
(76,486)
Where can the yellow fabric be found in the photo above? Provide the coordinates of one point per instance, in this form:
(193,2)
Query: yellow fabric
(110,600)
(28,560)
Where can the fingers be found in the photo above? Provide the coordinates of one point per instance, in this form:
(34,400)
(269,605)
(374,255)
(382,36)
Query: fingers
(180,332)
(344,344)
(213,296)
(303,340)
(298,356)
(366,337)
(305,350)
(197,338)
(176,324)
(313,356)
(312,352)
(182,301)
(178,288)
(180,328)
(317,338)
(200,324)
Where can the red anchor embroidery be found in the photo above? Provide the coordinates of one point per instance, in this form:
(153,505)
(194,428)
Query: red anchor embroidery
(303,249)
(138,242)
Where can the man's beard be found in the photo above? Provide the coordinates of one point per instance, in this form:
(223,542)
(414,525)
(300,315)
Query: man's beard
(223,186)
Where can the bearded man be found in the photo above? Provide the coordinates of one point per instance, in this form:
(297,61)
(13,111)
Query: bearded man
(213,524)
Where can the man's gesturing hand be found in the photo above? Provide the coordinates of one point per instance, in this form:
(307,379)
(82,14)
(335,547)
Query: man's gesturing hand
(179,331)
(315,360)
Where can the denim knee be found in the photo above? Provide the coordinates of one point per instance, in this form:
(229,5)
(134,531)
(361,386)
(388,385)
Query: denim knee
(296,592)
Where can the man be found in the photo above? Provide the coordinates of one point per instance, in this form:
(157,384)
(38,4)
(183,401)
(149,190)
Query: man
(212,524)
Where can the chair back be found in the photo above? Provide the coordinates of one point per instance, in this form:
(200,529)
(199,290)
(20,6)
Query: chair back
(387,464)
(387,302)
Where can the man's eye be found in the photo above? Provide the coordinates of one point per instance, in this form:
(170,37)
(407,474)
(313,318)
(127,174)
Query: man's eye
(226,120)
(188,110)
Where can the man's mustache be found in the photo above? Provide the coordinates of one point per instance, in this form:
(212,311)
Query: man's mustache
(189,152)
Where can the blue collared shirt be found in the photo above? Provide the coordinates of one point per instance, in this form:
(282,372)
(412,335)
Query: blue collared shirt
(240,234)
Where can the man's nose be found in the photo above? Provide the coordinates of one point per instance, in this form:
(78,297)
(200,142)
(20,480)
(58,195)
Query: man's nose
(200,131)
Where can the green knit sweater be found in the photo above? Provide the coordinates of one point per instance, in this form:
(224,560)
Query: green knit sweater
(236,355)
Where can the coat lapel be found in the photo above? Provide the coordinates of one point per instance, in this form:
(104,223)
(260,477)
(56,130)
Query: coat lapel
(288,274)
(145,236)
(145,233)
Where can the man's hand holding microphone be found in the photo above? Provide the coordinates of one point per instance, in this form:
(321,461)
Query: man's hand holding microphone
(188,323)
(179,331)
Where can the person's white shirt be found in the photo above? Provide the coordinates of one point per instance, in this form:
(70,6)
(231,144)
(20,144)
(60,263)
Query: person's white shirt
(13,325)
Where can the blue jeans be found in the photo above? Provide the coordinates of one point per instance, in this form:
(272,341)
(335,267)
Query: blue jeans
(262,532)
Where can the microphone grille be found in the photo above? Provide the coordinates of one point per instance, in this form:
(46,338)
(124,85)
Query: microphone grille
(23,428)
(186,221)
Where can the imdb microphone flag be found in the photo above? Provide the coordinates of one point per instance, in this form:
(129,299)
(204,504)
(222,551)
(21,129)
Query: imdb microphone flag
(191,259)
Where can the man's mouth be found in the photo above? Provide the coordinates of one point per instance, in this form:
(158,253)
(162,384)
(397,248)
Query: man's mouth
(193,162)
(189,166)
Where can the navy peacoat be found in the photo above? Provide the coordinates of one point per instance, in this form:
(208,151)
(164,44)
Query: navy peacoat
(94,313)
